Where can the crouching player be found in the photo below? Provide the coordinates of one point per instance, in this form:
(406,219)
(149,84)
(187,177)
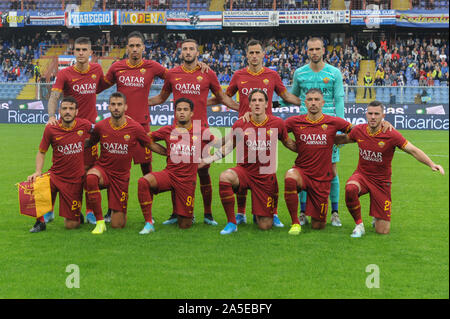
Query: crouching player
(67,172)
(118,137)
(256,150)
(184,150)
(373,174)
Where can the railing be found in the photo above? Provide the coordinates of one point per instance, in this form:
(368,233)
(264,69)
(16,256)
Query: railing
(385,94)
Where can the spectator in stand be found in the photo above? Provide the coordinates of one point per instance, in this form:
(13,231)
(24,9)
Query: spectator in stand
(371,48)
(379,76)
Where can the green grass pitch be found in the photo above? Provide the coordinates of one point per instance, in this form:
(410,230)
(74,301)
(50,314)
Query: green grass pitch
(200,263)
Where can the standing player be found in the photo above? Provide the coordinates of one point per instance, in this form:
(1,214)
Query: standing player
(373,174)
(118,137)
(318,74)
(244,81)
(256,143)
(314,135)
(184,141)
(188,81)
(81,81)
(67,171)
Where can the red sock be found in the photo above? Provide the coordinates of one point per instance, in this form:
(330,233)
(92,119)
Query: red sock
(145,199)
(291,198)
(241,201)
(41,219)
(227,197)
(206,190)
(94,197)
(88,205)
(352,201)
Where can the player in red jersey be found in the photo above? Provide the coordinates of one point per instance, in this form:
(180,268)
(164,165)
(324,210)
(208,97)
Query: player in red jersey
(188,81)
(81,81)
(134,77)
(184,148)
(118,137)
(373,174)
(255,76)
(256,143)
(67,171)
(314,135)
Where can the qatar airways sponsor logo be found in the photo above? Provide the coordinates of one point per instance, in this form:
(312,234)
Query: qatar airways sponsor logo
(69,149)
(259,145)
(130,80)
(188,88)
(180,149)
(372,156)
(314,139)
(87,88)
(116,148)
(247,91)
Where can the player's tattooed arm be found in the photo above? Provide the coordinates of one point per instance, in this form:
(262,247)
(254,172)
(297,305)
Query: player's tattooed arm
(342,139)
(290,144)
(40,159)
(422,157)
(52,106)
(157,148)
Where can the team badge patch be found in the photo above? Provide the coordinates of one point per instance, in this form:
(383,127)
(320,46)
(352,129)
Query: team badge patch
(142,70)
(324,127)
(381,144)
(194,138)
(126,137)
(326,80)
(199,78)
(269,132)
(80,132)
(266,81)
(94,76)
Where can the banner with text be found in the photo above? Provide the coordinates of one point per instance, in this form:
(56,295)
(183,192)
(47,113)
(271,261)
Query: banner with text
(45,18)
(141,18)
(373,18)
(193,20)
(315,17)
(402,116)
(422,18)
(77,19)
(250,18)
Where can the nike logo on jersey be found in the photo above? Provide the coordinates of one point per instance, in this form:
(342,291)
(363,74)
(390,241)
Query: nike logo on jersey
(58,138)
(359,141)
(104,136)
(73,80)
(177,79)
(243,82)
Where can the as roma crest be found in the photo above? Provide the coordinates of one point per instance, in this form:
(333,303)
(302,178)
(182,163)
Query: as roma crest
(126,137)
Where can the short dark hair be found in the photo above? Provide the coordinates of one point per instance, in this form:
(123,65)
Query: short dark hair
(135,34)
(253,42)
(314,90)
(376,103)
(258,91)
(185,100)
(315,39)
(117,95)
(70,99)
(190,41)
(82,40)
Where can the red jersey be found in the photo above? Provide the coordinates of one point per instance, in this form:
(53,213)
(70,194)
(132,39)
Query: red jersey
(193,85)
(68,148)
(135,82)
(376,151)
(184,149)
(314,142)
(256,148)
(82,86)
(117,144)
(244,81)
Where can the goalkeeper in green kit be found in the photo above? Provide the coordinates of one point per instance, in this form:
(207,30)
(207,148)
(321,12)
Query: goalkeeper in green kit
(327,78)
